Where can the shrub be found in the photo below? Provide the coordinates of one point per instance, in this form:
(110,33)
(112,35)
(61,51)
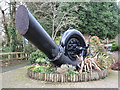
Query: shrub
(6,49)
(72,72)
(57,40)
(104,60)
(48,68)
(35,55)
(95,45)
(32,66)
(115,47)
(29,48)
(42,61)
(41,68)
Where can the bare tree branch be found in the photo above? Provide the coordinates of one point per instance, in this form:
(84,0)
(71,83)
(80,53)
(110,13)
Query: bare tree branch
(64,24)
(36,11)
(61,21)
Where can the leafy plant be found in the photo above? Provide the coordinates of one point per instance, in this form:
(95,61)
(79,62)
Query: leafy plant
(104,60)
(57,40)
(42,61)
(72,72)
(66,69)
(6,49)
(115,47)
(99,55)
(32,66)
(29,48)
(41,65)
(41,68)
(96,46)
(35,55)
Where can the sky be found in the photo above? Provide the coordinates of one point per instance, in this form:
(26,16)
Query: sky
(118,0)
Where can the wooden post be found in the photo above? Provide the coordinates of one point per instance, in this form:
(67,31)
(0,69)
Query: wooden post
(81,76)
(67,78)
(57,78)
(77,78)
(39,76)
(74,77)
(86,77)
(9,56)
(16,55)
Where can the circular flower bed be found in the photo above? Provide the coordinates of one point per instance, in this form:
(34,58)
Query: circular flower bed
(79,77)
(93,67)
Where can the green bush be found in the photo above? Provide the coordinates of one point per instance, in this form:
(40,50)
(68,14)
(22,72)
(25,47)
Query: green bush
(57,40)
(35,55)
(33,66)
(104,60)
(42,61)
(39,69)
(115,47)
(42,68)
(29,48)
(6,49)
(72,72)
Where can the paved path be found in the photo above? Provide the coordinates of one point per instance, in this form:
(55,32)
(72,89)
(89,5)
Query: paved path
(9,68)
(18,78)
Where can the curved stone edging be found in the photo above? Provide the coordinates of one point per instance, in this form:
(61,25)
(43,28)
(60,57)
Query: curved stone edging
(67,78)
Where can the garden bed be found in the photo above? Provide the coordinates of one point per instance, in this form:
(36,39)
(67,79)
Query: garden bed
(81,77)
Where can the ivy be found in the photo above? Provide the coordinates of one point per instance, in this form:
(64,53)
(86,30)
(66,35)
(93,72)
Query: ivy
(12,27)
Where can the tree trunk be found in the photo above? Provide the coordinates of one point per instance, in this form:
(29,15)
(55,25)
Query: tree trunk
(5,27)
(14,13)
(13,27)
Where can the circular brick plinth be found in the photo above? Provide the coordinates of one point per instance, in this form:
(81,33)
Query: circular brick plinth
(68,78)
